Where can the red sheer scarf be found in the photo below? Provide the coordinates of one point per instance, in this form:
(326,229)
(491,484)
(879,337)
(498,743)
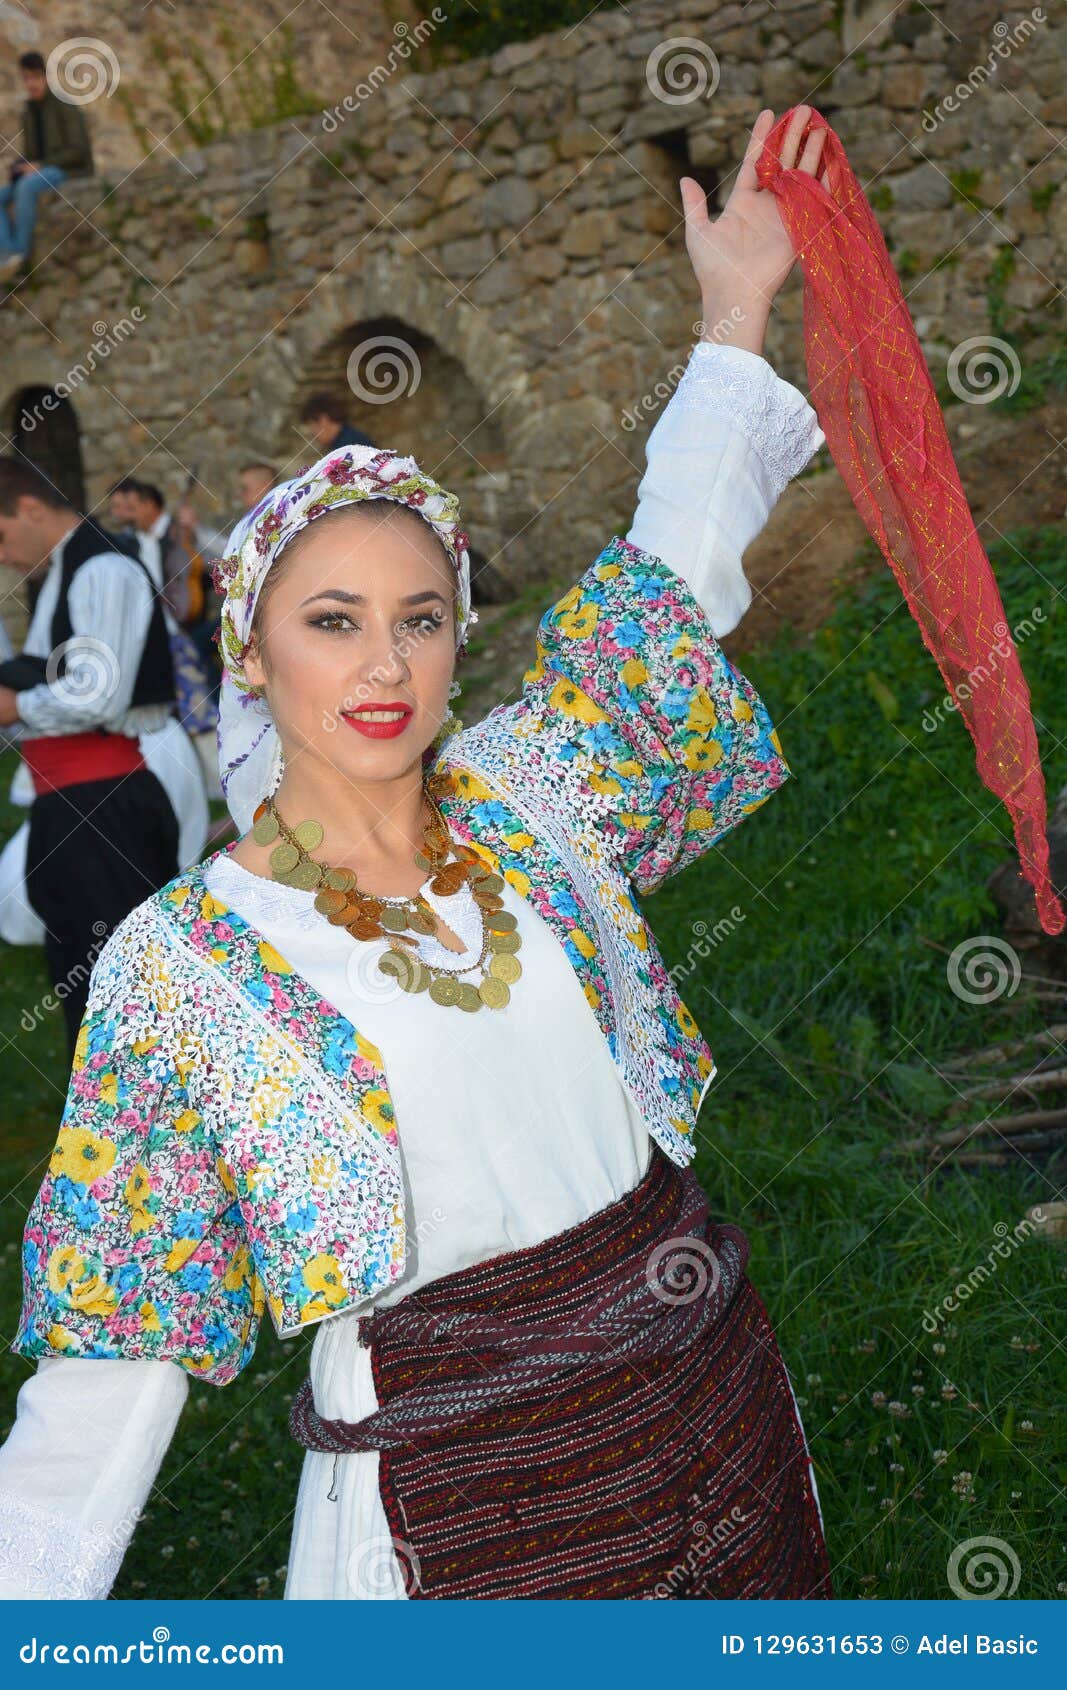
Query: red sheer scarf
(876,404)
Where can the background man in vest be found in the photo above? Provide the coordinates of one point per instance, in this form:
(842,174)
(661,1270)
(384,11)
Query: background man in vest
(95,673)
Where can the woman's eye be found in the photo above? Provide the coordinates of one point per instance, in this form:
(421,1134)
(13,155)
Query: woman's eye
(336,621)
(333,621)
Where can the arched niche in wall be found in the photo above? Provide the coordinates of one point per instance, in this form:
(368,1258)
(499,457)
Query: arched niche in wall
(403,390)
(42,426)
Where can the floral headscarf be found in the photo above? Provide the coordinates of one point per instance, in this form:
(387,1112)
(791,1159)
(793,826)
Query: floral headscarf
(250,755)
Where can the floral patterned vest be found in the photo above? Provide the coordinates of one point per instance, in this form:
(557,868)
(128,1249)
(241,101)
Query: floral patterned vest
(229,1141)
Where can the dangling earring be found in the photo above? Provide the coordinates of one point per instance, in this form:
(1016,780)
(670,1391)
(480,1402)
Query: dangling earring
(277,767)
(451,724)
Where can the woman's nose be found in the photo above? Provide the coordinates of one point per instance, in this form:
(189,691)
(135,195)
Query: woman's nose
(383,656)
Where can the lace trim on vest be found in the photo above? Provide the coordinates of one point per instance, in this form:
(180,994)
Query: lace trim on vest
(550,792)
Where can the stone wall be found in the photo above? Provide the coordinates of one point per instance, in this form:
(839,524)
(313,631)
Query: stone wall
(122,50)
(506,236)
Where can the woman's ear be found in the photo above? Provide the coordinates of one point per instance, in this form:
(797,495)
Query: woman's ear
(255,674)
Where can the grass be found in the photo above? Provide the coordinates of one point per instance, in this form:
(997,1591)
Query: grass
(829,1018)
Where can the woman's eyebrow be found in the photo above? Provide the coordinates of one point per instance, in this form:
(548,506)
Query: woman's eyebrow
(358,598)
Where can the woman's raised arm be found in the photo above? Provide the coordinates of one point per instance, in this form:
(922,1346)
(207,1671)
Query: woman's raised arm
(733,433)
(731,437)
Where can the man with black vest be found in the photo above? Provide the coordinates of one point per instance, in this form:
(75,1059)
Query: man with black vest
(95,673)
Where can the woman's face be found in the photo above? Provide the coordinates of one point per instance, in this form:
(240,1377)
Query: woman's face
(361,615)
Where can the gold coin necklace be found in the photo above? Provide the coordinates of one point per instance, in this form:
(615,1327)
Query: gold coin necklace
(401,920)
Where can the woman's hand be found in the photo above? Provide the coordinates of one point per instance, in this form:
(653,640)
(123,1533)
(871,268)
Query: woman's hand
(742,257)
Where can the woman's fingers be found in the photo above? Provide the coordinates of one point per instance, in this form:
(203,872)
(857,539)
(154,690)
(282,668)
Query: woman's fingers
(746,175)
(694,202)
(809,158)
(791,138)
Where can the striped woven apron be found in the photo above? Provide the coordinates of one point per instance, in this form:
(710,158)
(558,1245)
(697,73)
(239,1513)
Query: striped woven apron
(602,1415)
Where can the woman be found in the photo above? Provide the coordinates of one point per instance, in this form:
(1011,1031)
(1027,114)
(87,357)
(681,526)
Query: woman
(407,1053)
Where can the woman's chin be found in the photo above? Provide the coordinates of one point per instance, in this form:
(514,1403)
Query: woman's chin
(360,757)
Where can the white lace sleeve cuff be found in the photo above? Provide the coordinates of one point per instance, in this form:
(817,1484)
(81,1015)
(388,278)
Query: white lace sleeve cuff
(76,1469)
(772,414)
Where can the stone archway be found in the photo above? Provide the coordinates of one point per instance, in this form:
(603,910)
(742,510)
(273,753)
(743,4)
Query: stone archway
(404,391)
(433,380)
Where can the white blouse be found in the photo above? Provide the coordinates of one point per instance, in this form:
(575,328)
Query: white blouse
(110,591)
(500,1148)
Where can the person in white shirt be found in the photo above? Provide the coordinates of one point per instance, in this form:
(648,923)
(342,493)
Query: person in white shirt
(94,679)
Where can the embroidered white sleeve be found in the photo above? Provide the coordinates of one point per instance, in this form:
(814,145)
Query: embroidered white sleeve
(743,389)
(731,437)
(76,1469)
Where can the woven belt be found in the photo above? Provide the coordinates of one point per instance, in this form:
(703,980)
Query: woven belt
(662,1295)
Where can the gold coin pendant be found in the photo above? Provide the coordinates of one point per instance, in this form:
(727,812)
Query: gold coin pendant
(265,831)
(283,858)
(504,967)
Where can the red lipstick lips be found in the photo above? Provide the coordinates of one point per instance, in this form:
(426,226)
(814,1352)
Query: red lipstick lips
(378,721)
